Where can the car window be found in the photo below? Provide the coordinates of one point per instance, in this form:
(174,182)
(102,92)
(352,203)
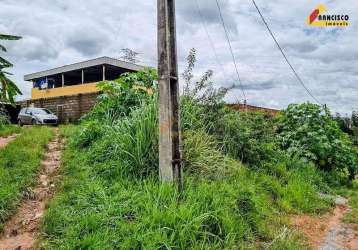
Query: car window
(27,111)
(40,111)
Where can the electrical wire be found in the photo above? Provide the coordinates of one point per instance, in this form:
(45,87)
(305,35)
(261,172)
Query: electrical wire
(211,42)
(231,50)
(284,55)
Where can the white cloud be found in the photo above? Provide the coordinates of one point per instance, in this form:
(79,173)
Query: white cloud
(60,32)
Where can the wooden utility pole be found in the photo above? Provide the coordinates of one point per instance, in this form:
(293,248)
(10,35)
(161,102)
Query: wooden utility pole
(169,138)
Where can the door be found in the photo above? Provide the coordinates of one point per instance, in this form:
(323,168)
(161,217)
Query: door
(28,116)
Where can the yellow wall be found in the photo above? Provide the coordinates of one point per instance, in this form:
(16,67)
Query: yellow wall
(64,91)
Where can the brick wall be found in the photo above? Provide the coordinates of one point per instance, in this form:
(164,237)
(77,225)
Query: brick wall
(67,108)
(243,107)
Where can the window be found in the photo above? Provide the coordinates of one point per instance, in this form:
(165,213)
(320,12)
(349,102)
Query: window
(37,111)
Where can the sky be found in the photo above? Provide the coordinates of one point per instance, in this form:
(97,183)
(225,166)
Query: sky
(60,32)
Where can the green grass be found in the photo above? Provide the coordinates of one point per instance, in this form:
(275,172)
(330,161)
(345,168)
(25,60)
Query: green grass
(19,161)
(99,208)
(6,130)
(111,197)
(352,194)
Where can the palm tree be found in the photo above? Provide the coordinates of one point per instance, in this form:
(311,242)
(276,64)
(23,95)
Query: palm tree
(8,89)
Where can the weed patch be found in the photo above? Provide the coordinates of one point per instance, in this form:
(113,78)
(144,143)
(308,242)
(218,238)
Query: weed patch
(109,202)
(6,130)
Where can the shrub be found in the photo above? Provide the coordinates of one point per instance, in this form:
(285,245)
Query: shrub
(120,96)
(310,132)
(129,146)
(203,158)
(3,121)
(4,118)
(90,131)
(201,97)
(249,137)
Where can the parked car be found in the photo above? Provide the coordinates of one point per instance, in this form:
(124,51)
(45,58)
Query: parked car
(33,116)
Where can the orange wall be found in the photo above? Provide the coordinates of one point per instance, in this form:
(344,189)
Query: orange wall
(64,91)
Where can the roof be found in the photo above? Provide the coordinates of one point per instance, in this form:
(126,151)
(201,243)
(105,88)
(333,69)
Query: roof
(252,108)
(83,65)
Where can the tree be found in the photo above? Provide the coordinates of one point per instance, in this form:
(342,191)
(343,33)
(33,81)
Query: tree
(129,55)
(309,131)
(355,118)
(8,89)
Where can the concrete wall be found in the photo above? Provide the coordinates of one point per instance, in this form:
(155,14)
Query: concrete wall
(67,108)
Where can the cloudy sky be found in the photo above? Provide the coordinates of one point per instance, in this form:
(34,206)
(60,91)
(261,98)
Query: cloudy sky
(59,32)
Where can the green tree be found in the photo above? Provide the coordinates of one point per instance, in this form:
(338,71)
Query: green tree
(310,132)
(8,89)
(355,118)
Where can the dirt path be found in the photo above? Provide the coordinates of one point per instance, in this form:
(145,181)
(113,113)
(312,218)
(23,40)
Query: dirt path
(5,140)
(328,232)
(21,231)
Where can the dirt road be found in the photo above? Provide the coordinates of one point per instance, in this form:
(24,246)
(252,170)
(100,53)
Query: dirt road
(21,231)
(328,232)
(5,140)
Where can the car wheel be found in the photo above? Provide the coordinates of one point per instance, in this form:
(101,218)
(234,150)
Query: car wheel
(20,123)
(33,122)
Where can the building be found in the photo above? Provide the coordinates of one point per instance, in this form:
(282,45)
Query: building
(251,108)
(71,91)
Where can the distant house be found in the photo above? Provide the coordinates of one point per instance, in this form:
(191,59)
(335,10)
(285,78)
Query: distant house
(251,108)
(71,91)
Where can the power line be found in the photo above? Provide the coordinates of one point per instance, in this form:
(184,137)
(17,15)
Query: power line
(211,42)
(231,50)
(283,53)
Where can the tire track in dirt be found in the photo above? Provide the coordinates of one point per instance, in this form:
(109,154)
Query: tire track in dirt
(340,235)
(6,140)
(328,232)
(22,229)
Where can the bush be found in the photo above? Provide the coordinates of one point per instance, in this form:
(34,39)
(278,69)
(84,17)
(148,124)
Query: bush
(3,121)
(90,131)
(203,158)
(129,146)
(120,96)
(4,118)
(249,137)
(310,132)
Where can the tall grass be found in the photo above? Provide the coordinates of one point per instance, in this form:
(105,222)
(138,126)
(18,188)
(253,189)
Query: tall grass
(6,130)
(128,147)
(128,213)
(19,161)
(110,199)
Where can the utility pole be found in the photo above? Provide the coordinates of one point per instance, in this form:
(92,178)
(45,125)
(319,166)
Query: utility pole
(169,134)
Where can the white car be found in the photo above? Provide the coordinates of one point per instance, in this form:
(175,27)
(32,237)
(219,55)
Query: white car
(34,116)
